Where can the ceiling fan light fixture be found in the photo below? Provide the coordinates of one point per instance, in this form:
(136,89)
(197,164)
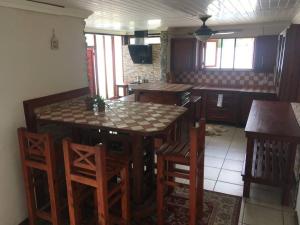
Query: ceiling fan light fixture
(202,38)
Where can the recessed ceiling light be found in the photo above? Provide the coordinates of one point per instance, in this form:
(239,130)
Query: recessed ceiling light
(156,22)
(117,25)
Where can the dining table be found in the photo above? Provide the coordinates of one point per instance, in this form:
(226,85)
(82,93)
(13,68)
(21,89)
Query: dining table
(137,119)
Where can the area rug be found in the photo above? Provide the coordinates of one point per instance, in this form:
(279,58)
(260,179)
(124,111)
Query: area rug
(214,130)
(219,209)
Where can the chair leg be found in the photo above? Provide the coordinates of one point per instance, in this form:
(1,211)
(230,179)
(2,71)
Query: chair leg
(125,203)
(29,188)
(200,189)
(53,192)
(103,216)
(160,190)
(193,207)
(193,199)
(170,167)
(73,204)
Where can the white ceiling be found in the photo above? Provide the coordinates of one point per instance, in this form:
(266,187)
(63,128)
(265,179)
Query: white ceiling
(128,15)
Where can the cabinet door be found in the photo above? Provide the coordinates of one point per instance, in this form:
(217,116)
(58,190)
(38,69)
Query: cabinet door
(222,107)
(265,53)
(184,54)
(288,80)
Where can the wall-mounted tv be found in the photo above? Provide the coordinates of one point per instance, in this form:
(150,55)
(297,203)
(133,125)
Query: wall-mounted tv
(141,54)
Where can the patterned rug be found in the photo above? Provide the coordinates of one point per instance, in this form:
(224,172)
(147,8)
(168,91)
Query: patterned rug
(219,209)
(214,130)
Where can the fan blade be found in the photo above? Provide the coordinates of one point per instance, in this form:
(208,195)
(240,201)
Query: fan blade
(227,31)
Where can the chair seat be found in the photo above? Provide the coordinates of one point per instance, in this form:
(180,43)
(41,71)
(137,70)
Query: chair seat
(177,152)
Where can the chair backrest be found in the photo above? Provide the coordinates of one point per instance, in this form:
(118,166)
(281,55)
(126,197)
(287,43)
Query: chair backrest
(35,147)
(85,161)
(197,142)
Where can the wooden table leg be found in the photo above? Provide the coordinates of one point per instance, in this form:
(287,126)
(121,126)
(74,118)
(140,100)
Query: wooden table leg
(138,169)
(289,174)
(248,168)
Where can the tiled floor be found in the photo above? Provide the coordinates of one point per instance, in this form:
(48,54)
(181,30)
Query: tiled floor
(224,159)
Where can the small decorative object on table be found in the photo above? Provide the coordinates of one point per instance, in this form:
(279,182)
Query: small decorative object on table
(99,103)
(95,103)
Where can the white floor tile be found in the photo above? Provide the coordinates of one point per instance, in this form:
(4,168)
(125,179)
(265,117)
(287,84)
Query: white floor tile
(232,177)
(234,165)
(223,142)
(209,184)
(215,152)
(235,148)
(211,173)
(227,188)
(258,215)
(236,155)
(213,161)
(270,197)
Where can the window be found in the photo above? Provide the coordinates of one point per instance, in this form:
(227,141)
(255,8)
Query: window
(229,53)
(108,63)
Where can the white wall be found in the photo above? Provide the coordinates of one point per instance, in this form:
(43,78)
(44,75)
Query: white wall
(296,19)
(29,69)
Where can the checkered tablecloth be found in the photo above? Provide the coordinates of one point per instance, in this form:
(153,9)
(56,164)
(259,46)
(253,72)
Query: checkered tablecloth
(124,116)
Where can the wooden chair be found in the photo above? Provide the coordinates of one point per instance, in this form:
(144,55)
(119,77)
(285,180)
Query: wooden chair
(185,153)
(196,108)
(90,166)
(124,88)
(38,158)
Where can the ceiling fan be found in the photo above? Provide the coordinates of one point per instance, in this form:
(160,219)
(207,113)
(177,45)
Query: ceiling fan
(204,32)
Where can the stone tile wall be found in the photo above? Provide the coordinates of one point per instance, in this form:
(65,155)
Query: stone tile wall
(150,72)
(228,79)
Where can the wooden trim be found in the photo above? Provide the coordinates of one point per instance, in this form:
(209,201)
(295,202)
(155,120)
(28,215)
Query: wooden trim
(221,54)
(96,67)
(105,74)
(216,54)
(113,59)
(30,105)
(234,51)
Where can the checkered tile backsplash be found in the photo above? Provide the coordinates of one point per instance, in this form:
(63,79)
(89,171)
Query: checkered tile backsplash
(229,79)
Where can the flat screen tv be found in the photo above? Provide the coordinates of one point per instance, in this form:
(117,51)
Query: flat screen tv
(141,54)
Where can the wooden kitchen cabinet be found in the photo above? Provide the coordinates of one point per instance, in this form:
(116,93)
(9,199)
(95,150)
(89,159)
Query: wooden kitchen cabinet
(186,55)
(235,105)
(265,53)
(287,71)
(225,111)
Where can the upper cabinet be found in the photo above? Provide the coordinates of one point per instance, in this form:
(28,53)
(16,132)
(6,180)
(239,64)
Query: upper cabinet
(287,71)
(265,54)
(186,54)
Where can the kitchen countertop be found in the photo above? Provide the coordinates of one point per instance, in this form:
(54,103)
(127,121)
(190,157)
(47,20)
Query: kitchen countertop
(245,90)
(161,87)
